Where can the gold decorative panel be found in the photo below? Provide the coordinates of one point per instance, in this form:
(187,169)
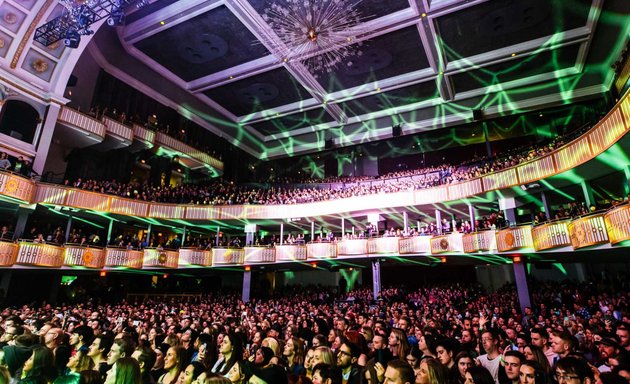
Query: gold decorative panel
(513,238)
(588,231)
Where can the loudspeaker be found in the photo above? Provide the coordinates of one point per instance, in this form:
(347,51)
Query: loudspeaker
(396,130)
(328,144)
(477,114)
(72,81)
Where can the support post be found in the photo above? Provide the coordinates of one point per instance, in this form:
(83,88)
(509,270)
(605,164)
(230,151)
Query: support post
(43,144)
(68,228)
(343,228)
(626,185)
(520,276)
(216,241)
(471,214)
(376,279)
(543,198)
(486,137)
(405,223)
(109,232)
(508,206)
(281,233)
(247,285)
(183,237)
(312,231)
(20,226)
(149,236)
(438,219)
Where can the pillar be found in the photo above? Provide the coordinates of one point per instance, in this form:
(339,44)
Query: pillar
(249,238)
(343,228)
(471,214)
(543,198)
(588,194)
(508,206)
(68,227)
(109,232)
(376,279)
(216,241)
(405,223)
(183,237)
(43,144)
(438,219)
(23,212)
(486,137)
(247,285)
(520,277)
(281,233)
(149,236)
(312,231)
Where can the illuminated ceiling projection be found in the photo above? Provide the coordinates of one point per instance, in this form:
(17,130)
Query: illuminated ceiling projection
(422,68)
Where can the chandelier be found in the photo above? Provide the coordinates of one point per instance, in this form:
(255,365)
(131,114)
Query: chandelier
(319,33)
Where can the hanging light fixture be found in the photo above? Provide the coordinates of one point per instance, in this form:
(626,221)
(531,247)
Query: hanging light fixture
(319,33)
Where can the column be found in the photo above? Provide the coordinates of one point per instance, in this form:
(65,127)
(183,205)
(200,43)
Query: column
(183,237)
(471,214)
(149,236)
(438,220)
(109,232)
(23,212)
(68,227)
(343,227)
(247,285)
(43,144)
(376,279)
(521,285)
(281,233)
(216,241)
(588,194)
(486,136)
(508,206)
(312,231)
(249,235)
(543,198)
(405,223)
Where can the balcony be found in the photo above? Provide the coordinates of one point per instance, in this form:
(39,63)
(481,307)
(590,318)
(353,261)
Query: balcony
(78,128)
(599,230)
(190,157)
(117,135)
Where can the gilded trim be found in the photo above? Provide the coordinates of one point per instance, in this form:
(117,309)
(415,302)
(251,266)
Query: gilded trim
(29,32)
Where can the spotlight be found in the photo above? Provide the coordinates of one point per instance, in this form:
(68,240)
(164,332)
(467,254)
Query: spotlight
(72,39)
(117,17)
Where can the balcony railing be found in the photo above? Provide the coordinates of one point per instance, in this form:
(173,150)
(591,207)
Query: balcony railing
(82,121)
(588,231)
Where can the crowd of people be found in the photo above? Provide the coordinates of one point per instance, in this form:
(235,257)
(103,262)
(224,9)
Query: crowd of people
(224,192)
(450,334)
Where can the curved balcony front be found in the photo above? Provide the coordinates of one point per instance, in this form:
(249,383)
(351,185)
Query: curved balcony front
(78,128)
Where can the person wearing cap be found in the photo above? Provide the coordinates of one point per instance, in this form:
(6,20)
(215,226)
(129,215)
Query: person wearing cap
(608,349)
(81,337)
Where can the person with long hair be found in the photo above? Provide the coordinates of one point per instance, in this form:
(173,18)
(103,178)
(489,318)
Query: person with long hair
(190,374)
(478,375)
(231,350)
(533,353)
(463,362)
(308,362)
(413,358)
(398,343)
(293,354)
(128,371)
(40,367)
(173,364)
(235,374)
(323,355)
(532,372)
(78,363)
(90,377)
(432,372)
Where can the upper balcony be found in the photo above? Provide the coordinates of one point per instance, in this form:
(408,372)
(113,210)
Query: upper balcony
(109,134)
(607,136)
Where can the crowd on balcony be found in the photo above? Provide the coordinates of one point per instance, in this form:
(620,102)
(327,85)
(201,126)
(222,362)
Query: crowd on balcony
(20,165)
(229,193)
(441,334)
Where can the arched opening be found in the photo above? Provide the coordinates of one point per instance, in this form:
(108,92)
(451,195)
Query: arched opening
(19,120)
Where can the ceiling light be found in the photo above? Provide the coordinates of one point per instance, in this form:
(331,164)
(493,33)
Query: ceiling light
(162,23)
(316,32)
(423,14)
(514,54)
